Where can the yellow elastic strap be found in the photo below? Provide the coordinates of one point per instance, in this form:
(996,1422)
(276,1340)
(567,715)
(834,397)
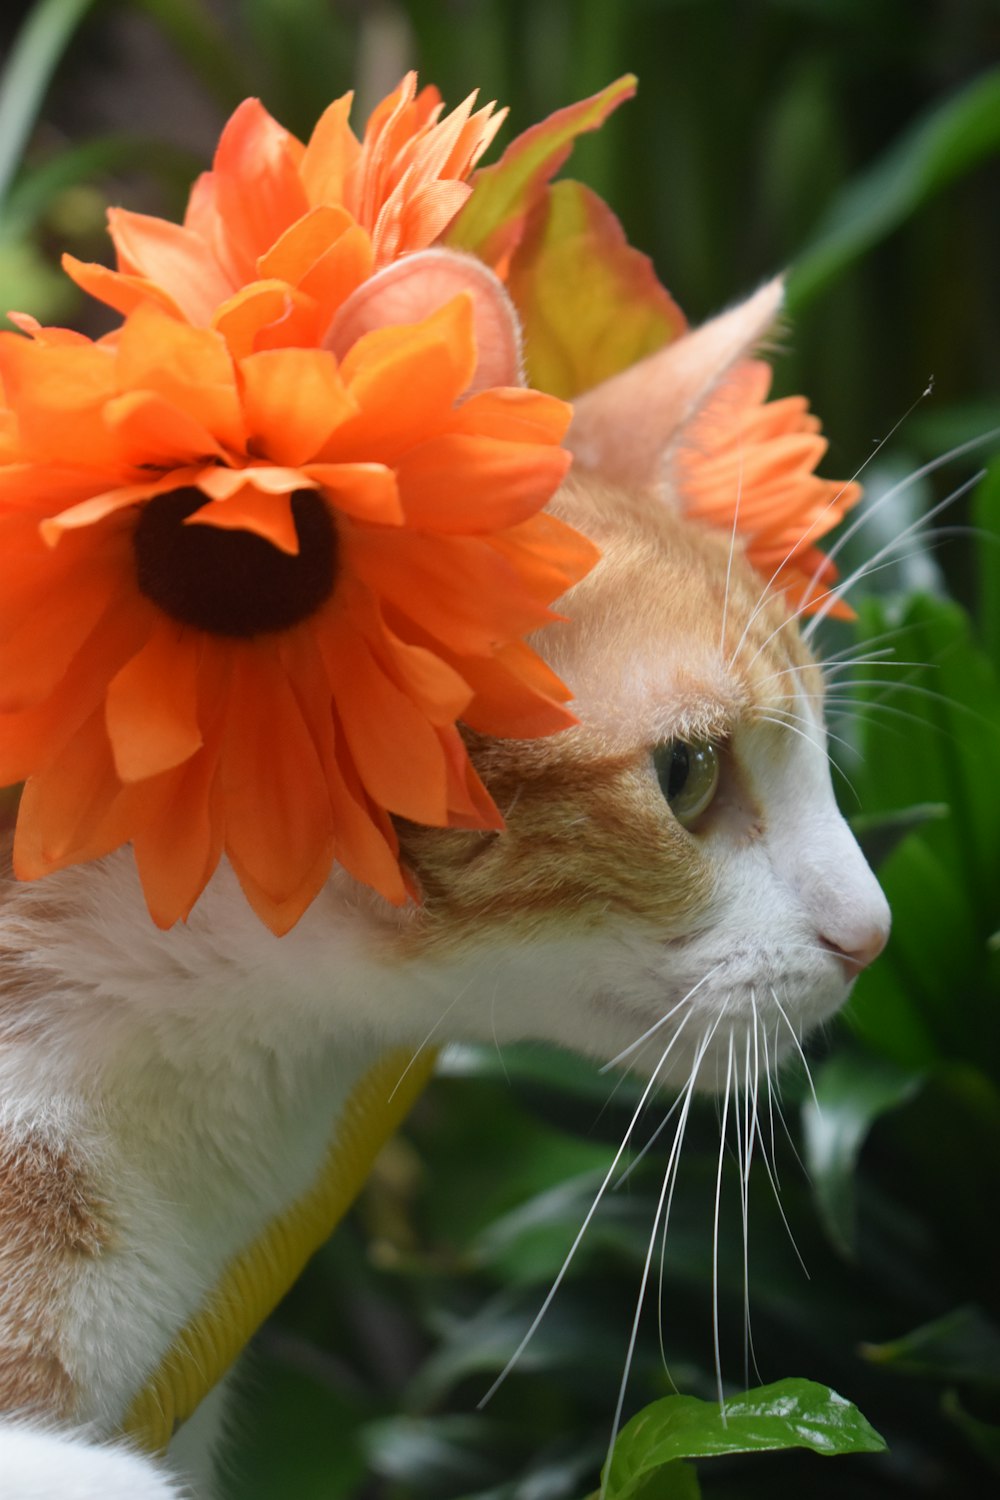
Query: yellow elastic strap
(255,1280)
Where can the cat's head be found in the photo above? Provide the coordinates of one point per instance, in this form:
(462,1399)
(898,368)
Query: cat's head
(676,863)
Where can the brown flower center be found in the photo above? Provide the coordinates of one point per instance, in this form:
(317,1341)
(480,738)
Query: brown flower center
(233,582)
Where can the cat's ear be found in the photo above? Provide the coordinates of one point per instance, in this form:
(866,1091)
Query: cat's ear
(626,427)
(415,286)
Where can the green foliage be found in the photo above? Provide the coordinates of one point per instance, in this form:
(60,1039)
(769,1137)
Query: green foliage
(789,1414)
(859,144)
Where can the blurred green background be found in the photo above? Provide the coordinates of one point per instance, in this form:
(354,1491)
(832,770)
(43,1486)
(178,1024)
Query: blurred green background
(858,142)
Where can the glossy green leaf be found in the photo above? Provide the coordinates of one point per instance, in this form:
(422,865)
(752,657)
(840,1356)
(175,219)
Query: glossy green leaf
(954,137)
(788,1414)
(852,1092)
(964,1345)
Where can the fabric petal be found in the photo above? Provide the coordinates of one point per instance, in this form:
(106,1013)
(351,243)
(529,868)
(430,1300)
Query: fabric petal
(396,751)
(248,509)
(151,709)
(363,839)
(259,193)
(293,399)
(171,257)
(303,243)
(368,492)
(190,368)
(278,820)
(116,289)
(465,483)
(265,315)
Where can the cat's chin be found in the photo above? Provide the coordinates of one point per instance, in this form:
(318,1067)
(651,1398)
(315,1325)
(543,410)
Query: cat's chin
(700,1036)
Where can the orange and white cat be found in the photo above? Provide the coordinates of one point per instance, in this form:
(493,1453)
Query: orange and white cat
(673,873)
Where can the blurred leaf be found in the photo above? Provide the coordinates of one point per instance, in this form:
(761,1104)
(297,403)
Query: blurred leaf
(852,1091)
(879,833)
(33,193)
(964,1345)
(788,1414)
(948,142)
(28,283)
(306,54)
(27,73)
(984,1437)
(543,1069)
(448,1455)
(986,518)
(204,45)
(296,1435)
(943,882)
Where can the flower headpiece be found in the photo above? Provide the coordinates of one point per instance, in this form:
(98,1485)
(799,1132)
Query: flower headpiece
(266,544)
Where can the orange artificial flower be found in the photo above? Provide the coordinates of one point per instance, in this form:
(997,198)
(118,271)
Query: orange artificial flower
(755,459)
(244,600)
(278,234)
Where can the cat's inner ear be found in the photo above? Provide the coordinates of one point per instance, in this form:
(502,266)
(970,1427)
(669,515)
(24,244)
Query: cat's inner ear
(419,284)
(626,427)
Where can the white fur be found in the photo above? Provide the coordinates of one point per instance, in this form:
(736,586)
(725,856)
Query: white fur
(47,1465)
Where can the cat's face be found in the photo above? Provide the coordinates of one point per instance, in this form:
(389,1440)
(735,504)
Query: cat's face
(632,892)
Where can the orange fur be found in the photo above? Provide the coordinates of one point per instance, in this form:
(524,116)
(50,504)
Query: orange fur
(48,1221)
(587,830)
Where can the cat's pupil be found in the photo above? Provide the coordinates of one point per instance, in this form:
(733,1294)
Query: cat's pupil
(673,768)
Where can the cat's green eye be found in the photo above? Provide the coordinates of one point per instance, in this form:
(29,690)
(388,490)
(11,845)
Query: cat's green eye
(688,774)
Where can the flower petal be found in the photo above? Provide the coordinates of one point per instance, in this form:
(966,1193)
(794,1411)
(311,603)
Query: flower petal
(248,509)
(154,433)
(190,368)
(331,152)
(277,807)
(151,708)
(296,251)
(173,258)
(396,751)
(366,491)
(406,381)
(258,191)
(292,401)
(71,811)
(509,482)
(267,314)
(118,290)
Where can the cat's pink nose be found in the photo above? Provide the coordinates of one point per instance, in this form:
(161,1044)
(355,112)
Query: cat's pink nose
(858,948)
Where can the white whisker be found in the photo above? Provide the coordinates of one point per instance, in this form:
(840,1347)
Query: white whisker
(666,1197)
(715,1235)
(633,1046)
(798,1045)
(547,1303)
